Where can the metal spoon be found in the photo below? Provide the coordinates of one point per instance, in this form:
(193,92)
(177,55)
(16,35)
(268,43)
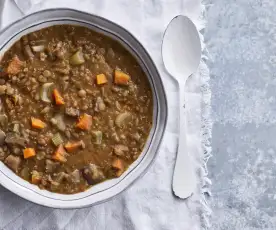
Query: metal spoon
(181,51)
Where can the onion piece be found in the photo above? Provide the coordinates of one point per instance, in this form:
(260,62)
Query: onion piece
(38,48)
(28,51)
(122,118)
(16,128)
(98,135)
(3,120)
(59,122)
(25,173)
(77,58)
(46,92)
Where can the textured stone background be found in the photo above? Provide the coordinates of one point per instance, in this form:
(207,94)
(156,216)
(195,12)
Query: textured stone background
(241,38)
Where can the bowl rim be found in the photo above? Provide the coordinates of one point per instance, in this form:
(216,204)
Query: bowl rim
(10,187)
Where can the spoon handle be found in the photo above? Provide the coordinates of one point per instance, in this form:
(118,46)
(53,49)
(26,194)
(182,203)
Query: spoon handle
(184,182)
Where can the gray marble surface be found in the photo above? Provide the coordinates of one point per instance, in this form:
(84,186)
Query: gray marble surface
(241,38)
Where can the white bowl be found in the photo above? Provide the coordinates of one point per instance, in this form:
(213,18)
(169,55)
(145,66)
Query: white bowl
(103,191)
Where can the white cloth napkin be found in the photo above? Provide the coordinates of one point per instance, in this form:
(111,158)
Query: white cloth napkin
(149,204)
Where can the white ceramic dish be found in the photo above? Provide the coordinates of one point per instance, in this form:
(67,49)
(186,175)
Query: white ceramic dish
(108,189)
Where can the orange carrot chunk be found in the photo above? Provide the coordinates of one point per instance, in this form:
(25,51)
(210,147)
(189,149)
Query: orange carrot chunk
(118,165)
(101,79)
(15,65)
(58,98)
(29,152)
(73,146)
(85,122)
(37,123)
(60,154)
(121,78)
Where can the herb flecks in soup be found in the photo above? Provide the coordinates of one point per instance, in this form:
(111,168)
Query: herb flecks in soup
(76,108)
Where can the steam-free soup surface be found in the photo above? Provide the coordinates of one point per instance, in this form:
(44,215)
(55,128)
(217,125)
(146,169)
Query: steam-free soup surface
(76,108)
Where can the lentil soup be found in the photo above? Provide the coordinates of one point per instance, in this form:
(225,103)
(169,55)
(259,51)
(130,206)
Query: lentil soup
(75,108)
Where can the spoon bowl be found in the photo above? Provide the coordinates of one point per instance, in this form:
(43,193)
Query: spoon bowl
(181,52)
(181,48)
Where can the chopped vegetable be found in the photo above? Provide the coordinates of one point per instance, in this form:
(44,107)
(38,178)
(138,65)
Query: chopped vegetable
(61,176)
(37,123)
(16,128)
(37,42)
(36,177)
(45,110)
(40,155)
(122,118)
(25,174)
(28,51)
(57,139)
(121,78)
(13,139)
(3,120)
(15,66)
(2,137)
(60,154)
(77,58)
(120,150)
(3,89)
(29,152)
(101,79)
(38,48)
(58,98)
(99,105)
(46,91)
(51,166)
(72,112)
(85,122)
(93,174)
(98,137)
(118,165)
(58,121)
(13,162)
(74,177)
(73,146)
(54,121)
